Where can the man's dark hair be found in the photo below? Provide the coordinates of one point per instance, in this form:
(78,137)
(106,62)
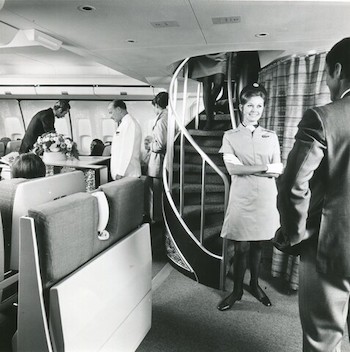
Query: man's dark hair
(63,104)
(118,104)
(340,53)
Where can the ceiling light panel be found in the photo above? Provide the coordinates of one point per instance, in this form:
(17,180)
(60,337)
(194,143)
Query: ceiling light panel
(226,20)
(165,24)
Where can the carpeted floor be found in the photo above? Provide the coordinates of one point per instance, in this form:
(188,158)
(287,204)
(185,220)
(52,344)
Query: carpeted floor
(185,318)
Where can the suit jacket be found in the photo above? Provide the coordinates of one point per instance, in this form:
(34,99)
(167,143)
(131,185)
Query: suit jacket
(126,149)
(158,145)
(314,192)
(43,121)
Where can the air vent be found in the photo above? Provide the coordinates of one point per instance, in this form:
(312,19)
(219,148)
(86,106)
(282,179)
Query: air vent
(165,24)
(225,20)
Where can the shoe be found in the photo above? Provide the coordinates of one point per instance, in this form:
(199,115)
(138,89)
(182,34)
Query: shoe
(229,301)
(260,295)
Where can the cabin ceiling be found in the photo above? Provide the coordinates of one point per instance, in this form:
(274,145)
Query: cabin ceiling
(143,38)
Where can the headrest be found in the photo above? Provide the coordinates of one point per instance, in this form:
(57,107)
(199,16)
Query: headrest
(125,199)
(103,211)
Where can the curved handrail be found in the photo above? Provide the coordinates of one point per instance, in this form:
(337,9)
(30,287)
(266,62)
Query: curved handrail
(174,119)
(229,93)
(186,228)
(184,131)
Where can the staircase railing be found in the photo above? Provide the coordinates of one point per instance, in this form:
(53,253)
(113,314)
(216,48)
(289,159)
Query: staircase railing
(176,125)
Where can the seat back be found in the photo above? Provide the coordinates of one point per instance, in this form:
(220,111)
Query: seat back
(13,146)
(8,190)
(18,195)
(92,294)
(2,149)
(7,279)
(107,150)
(125,199)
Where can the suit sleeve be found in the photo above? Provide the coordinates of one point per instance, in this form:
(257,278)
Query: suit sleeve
(48,123)
(294,191)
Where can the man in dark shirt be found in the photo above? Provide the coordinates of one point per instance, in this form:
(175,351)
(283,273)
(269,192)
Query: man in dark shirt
(42,122)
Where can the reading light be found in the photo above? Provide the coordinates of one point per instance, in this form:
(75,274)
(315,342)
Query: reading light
(262,35)
(86,8)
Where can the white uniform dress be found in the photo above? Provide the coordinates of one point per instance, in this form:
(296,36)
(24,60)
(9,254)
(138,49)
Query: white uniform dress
(252,211)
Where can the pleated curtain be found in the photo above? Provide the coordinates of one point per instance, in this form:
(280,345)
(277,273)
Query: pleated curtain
(294,84)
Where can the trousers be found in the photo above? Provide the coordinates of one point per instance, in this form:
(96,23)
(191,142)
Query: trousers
(323,305)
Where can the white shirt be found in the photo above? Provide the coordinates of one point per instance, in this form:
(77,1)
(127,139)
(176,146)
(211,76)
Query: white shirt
(126,148)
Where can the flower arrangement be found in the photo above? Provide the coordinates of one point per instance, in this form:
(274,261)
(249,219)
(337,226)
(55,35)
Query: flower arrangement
(54,142)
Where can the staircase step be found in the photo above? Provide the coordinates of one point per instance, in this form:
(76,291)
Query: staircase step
(209,208)
(198,168)
(208,141)
(195,188)
(206,150)
(210,232)
(217,117)
(195,158)
(211,198)
(202,133)
(195,177)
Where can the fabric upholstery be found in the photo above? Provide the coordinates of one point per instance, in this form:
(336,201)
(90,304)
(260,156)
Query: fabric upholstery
(126,204)
(66,230)
(7,195)
(2,149)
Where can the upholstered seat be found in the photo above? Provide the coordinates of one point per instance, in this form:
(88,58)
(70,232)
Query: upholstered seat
(2,149)
(125,198)
(89,293)
(13,146)
(8,190)
(18,195)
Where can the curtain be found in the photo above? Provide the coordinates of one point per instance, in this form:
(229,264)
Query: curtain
(294,84)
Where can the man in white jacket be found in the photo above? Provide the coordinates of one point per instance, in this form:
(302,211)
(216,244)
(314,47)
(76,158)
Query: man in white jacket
(126,144)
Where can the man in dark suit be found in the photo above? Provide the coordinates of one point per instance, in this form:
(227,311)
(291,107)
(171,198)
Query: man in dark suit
(43,121)
(314,203)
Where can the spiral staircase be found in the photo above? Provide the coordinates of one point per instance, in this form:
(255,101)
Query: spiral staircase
(196,190)
(196,183)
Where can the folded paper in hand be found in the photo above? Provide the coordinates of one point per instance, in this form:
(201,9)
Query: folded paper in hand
(9,158)
(275,168)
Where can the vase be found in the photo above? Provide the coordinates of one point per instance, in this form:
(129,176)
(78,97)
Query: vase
(53,157)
